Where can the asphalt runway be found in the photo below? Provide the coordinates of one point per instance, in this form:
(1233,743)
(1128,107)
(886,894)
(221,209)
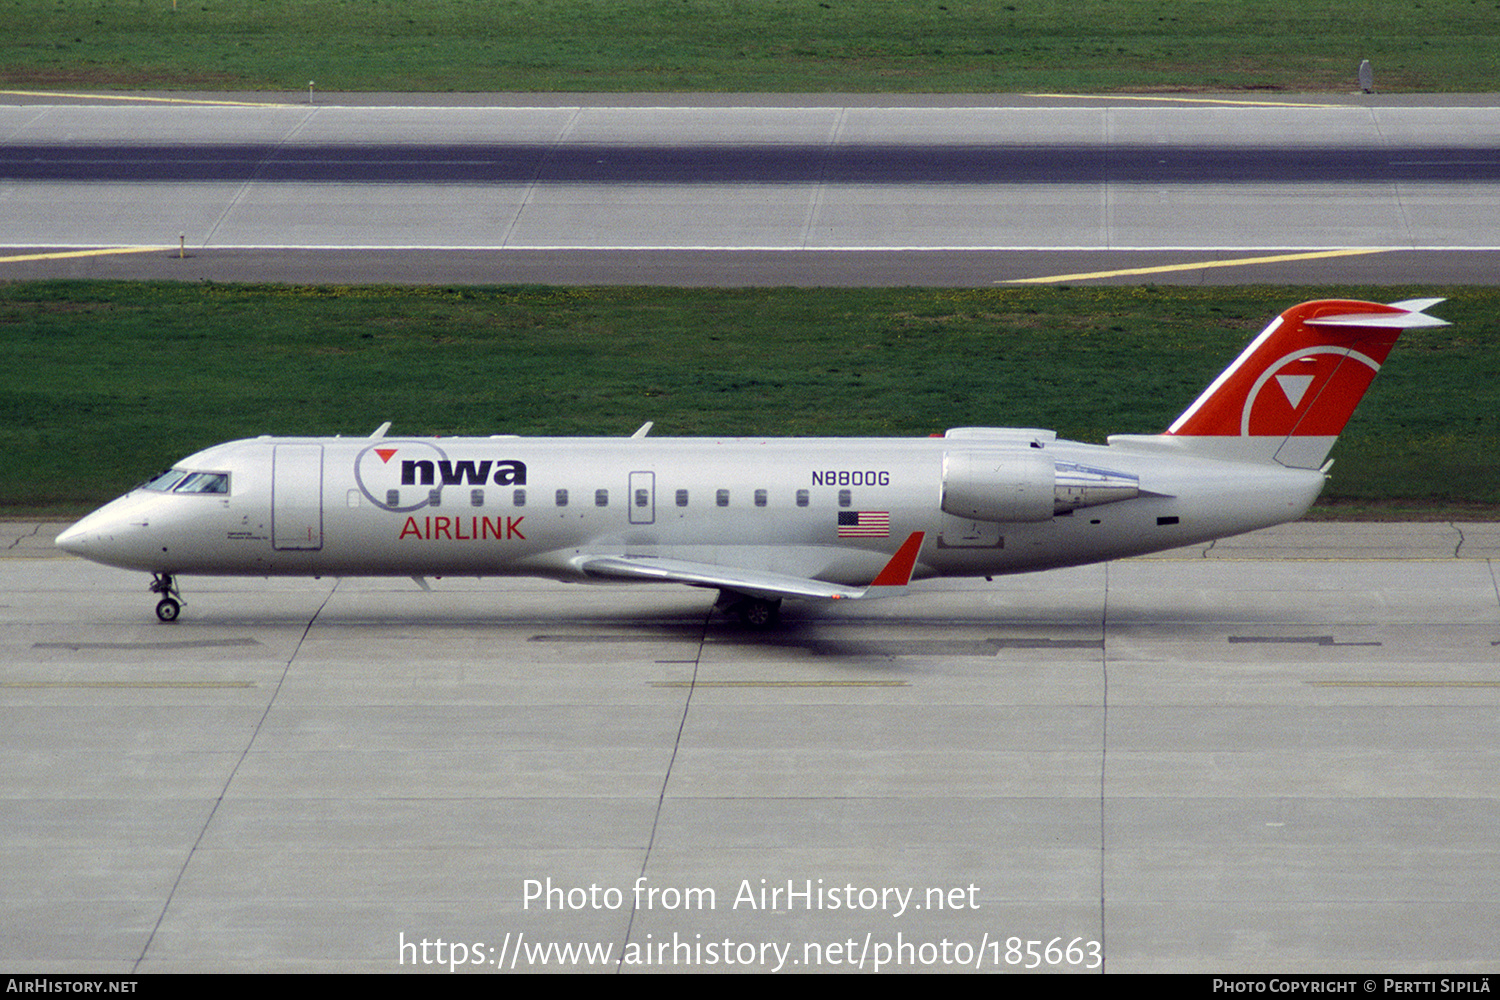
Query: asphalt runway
(796,190)
(1276,753)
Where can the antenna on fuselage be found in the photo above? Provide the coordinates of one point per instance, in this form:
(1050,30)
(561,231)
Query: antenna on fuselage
(644,429)
(380,431)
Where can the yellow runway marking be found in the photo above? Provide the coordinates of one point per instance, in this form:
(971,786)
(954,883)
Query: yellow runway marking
(1196,266)
(1228,101)
(779,684)
(137,97)
(197,685)
(62,254)
(1404,684)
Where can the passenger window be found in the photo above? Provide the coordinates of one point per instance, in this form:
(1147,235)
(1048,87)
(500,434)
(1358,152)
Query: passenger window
(760,498)
(601,498)
(562,498)
(802,498)
(642,498)
(846,498)
(722,498)
(682,498)
(476,498)
(518,498)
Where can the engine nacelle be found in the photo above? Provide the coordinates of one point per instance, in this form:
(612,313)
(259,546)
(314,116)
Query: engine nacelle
(1010,484)
(1025,485)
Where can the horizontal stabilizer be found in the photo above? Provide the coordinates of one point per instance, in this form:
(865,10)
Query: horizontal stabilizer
(1381,321)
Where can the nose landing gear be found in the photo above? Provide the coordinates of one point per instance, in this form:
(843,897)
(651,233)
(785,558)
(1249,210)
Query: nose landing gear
(171,602)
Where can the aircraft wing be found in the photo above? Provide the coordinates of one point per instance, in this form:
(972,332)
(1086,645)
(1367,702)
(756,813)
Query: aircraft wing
(889,582)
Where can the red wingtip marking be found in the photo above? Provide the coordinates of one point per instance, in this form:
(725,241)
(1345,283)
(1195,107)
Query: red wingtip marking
(897,572)
(385,453)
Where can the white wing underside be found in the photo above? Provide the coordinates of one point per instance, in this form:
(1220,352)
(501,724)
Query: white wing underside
(753,583)
(889,582)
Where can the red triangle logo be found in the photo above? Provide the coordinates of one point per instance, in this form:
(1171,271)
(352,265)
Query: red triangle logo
(385,453)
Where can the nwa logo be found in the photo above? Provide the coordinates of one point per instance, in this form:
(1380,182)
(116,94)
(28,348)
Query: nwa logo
(409,475)
(1334,378)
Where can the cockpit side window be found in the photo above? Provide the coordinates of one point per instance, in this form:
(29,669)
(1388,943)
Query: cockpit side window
(204,482)
(165,480)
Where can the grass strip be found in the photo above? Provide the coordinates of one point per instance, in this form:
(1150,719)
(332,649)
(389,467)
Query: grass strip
(106,382)
(748,45)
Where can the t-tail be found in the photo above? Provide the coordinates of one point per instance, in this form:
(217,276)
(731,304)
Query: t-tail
(1287,397)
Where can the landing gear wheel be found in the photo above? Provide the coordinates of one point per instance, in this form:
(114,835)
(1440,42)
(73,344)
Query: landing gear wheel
(170,604)
(756,612)
(759,613)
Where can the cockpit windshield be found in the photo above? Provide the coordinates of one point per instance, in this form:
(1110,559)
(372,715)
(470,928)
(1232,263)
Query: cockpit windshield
(183,481)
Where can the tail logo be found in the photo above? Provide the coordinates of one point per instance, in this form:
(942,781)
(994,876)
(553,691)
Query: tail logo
(1339,388)
(1294,387)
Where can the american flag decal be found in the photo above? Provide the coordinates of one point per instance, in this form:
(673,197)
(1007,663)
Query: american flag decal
(864,524)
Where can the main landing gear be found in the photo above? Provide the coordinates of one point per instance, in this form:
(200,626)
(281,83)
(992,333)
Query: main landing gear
(170,604)
(756,612)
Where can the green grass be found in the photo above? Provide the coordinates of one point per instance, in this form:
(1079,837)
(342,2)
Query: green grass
(749,45)
(105,382)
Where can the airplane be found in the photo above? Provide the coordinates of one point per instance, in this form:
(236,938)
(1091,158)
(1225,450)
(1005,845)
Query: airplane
(764,519)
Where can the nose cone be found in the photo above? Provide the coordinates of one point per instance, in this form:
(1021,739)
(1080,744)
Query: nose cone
(74,540)
(117,534)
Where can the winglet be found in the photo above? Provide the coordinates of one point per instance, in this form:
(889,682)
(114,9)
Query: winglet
(897,572)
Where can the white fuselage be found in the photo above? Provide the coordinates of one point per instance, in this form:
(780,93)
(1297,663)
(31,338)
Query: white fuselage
(541,506)
(763,519)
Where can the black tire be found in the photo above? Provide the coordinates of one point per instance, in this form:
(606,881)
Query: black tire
(168,609)
(759,613)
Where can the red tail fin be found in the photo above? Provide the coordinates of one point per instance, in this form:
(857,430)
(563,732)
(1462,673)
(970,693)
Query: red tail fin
(1293,389)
